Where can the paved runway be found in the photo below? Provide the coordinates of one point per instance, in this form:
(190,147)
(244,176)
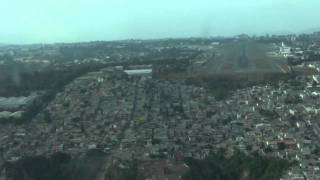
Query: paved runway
(241,57)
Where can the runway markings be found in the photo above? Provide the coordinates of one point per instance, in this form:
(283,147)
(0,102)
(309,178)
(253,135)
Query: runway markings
(283,70)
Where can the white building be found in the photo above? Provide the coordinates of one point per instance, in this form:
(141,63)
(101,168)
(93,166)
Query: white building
(285,50)
(139,72)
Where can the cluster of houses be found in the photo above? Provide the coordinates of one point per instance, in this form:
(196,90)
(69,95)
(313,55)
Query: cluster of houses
(129,116)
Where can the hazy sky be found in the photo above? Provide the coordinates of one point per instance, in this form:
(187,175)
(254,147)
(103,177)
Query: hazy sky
(36,21)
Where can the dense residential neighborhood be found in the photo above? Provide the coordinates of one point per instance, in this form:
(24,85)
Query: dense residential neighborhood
(159,102)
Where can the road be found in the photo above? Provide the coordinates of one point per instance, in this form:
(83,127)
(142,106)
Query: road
(116,151)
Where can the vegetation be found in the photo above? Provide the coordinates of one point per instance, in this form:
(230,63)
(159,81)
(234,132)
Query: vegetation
(222,86)
(128,172)
(49,79)
(216,166)
(59,166)
(239,166)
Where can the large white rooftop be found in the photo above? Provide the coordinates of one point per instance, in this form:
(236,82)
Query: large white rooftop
(138,72)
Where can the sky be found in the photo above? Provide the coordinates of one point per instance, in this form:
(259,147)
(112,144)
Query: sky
(49,21)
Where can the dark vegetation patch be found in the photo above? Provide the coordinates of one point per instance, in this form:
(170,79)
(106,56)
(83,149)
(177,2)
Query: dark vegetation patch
(239,166)
(216,166)
(222,86)
(21,83)
(126,171)
(59,166)
(50,81)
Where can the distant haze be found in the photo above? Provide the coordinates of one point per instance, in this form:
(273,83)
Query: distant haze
(47,21)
